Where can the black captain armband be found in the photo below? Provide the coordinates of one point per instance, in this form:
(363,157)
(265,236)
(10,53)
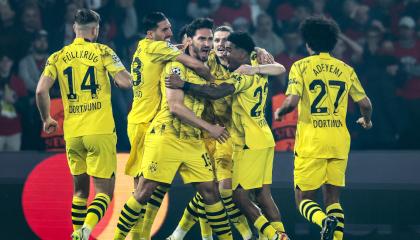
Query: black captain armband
(186,86)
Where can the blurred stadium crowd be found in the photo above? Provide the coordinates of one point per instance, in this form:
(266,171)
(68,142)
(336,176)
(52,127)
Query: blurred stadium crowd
(380,39)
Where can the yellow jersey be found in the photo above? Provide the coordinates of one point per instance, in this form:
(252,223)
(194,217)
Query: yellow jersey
(222,108)
(323,84)
(82,70)
(250,129)
(146,69)
(164,120)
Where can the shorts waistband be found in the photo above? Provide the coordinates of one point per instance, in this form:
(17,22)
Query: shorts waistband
(162,130)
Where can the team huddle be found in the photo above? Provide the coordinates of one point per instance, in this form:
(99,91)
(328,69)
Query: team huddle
(199,109)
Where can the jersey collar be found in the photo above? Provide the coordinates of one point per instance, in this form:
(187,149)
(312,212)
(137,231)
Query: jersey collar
(323,54)
(81,40)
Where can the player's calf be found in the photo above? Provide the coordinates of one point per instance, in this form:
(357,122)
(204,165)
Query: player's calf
(215,211)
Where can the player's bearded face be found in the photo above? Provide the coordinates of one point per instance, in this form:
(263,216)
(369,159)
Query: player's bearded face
(220,39)
(163,32)
(202,43)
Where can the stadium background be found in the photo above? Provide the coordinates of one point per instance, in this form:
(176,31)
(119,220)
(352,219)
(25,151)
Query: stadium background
(380,38)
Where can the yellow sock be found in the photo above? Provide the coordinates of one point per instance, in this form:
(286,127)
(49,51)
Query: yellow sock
(190,216)
(152,209)
(278,226)
(129,216)
(235,215)
(312,211)
(217,217)
(337,211)
(78,212)
(264,227)
(136,230)
(205,228)
(96,210)
(261,236)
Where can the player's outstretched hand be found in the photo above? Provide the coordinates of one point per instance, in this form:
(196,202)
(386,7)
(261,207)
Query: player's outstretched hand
(219,133)
(364,124)
(174,81)
(50,126)
(264,57)
(246,69)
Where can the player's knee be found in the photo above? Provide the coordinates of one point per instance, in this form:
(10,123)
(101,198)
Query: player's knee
(331,199)
(208,192)
(225,184)
(331,194)
(81,193)
(239,196)
(143,194)
(263,194)
(301,195)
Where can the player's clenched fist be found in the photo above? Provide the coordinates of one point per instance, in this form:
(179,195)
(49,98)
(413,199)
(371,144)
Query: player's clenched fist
(50,125)
(364,124)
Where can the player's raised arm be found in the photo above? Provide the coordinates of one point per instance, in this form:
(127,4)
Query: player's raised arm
(207,91)
(273,69)
(175,98)
(199,67)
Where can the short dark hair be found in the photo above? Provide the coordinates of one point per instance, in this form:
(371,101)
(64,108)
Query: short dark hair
(199,23)
(224,28)
(151,20)
(320,33)
(85,16)
(242,40)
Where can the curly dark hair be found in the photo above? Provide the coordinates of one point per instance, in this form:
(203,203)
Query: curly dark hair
(320,33)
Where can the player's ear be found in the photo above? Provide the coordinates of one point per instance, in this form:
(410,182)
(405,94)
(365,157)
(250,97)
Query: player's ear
(149,34)
(189,41)
(74,27)
(93,31)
